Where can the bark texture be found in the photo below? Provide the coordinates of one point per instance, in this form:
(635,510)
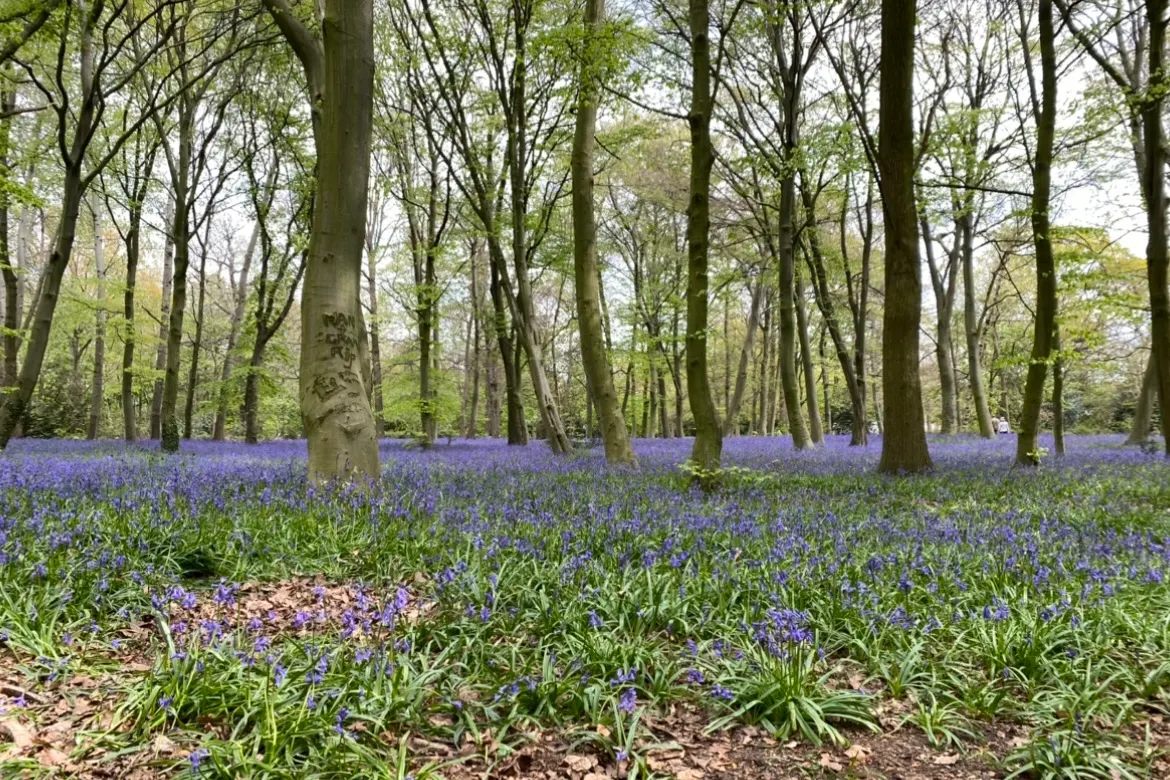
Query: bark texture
(904,447)
(587,275)
(708,446)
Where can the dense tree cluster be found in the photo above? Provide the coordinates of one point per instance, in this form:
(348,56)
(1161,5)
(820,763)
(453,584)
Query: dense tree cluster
(556,219)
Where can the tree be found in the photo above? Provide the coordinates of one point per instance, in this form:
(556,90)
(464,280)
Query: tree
(97,388)
(586,271)
(904,447)
(339,74)
(708,446)
(1043,100)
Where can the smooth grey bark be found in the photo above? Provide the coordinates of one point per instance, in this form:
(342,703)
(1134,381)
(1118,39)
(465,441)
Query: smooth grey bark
(97,387)
(240,290)
(339,73)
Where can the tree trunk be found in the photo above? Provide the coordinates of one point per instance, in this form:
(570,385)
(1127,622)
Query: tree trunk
(11,305)
(816,431)
(517,427)
(476,359)
(1157,259)
(787,258)
(1057,394)
(160,359)
(904,447)
(426,401)
(972,329)
(943,285)
(196,347)
(1139,431)
(252,393)
(133,251)
(219,430)
(339,69)
(97,398)
(13,411)
(594,355)
(708,446)
(1027,446)
(731,423)
(181,230)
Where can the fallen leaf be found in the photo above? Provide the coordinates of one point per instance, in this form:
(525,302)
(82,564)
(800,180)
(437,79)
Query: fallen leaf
(947,760)
(52,757)
(162,744)
(18,734)
(602,730)
(580,763)
(828,763)
(859,753)
(689,774)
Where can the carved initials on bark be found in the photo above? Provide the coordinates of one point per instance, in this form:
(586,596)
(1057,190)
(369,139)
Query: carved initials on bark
(340,335)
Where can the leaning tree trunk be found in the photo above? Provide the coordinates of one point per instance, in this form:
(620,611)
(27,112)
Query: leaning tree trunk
(339,68)
(1027,445)
(1157,259)
(160,358)
(904,447)
(815,429)
(708,446)
(13,411)
(587,278)
(97,397)
(1139,431)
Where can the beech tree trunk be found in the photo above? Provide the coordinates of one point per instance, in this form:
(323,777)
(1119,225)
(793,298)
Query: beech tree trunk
(1157,259)
(160,359)
(472,428)
(816,431)
(594,355)
(196,347)
(97,398)
(219,429)
(181,233)
(517,427)
(708,447)
(1027,445)
(376,347)
(973,331)
(11,340)
(1139,431)
(787,258)
(731,423)
(904,447)
(339,69)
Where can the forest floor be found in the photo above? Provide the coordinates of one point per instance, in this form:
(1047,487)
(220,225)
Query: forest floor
(501,612)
